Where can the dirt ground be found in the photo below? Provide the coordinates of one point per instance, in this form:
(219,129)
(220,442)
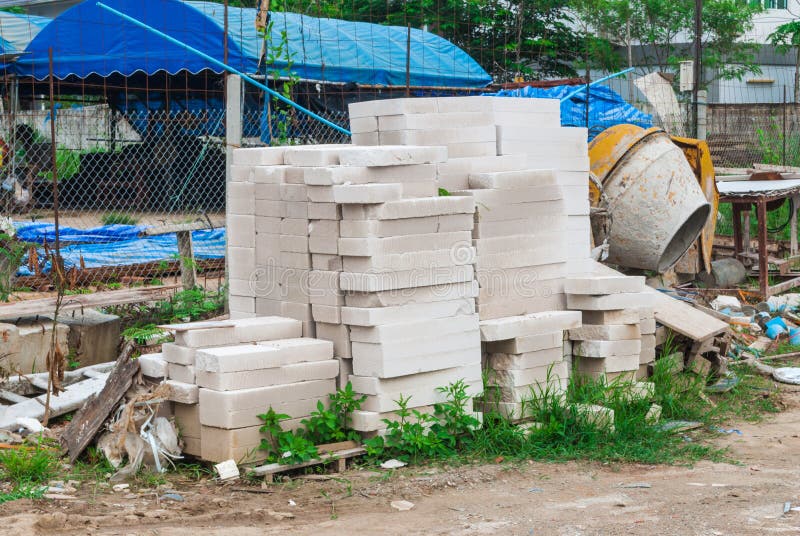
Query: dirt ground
(747,496)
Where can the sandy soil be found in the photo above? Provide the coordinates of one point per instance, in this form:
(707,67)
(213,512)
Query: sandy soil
(746,497)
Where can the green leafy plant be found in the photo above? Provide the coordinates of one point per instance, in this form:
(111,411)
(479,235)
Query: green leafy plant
(332,425)
(145,335)
(279,61)
(12,252)
(408,438)
(456,423)
(23,491)
(23,466)
(283,446)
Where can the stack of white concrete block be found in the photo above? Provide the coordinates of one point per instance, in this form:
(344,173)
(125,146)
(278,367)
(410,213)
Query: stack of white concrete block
(410,302)
(609,343)
(647,327)
(521,239)
(222,375)
(525,360)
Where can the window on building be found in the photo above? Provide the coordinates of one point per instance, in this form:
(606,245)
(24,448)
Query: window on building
(775,4)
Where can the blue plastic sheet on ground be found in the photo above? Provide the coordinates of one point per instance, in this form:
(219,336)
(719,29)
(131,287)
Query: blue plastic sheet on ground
(119,245)
(606,107)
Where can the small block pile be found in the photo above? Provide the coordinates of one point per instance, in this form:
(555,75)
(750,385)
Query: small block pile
(230,372)
(609,343)
(524,358)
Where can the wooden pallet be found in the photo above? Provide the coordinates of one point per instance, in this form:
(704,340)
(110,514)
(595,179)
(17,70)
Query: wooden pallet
(339,457)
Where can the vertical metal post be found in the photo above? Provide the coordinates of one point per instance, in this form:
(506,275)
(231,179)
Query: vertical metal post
(783,138)
(225,37)
(702,124)
(698,53)
(408,61)
(630,59)
(54,164)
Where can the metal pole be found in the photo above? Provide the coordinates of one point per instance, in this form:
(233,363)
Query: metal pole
(53,163)
(408,62)
(783,159)
(630,59)
(698,53)
(222,65)
(225,37)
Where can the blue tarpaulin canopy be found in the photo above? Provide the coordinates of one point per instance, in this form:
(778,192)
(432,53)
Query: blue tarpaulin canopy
(87,40)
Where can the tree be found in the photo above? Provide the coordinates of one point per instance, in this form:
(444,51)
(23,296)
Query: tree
(783,39)
(663,30)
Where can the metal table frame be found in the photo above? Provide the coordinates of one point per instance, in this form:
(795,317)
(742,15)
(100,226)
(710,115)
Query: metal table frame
(741,204)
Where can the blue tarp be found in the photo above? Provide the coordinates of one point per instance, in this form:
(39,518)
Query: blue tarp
(606,107)
(118,245)
(88,40)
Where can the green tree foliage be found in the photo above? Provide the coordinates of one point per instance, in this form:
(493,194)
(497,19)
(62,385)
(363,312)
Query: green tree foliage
(785,38)
(663,28)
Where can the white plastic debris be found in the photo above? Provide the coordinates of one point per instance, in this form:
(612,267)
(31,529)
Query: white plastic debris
(227,470)
(31,425)
(723,302)
(393,464)
(789,375)
(403,506)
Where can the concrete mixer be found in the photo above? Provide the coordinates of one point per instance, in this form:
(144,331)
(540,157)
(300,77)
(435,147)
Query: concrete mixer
(659,195)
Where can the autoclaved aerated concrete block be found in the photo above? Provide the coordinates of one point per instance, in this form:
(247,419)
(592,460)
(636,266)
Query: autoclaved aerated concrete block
(613,332)
(529,343)
(532,324)
(596,285)
(589,348)
(264,355)
(251,379)
(153,365)
(185,393)
(525,360)
(609,302)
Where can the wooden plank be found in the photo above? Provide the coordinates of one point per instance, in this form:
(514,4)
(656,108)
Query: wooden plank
(92,416)
(182,227)
(272,468)
(89,301)
(684,319)
(186,255)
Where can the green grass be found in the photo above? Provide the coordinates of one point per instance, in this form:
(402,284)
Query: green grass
(775,219)
(23,491)
(23,467)
(117,218)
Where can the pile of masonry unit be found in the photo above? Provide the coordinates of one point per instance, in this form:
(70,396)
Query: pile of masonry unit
(413,287)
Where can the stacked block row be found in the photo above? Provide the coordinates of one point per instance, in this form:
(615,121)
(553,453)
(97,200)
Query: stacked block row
(524,359)
(609,343)
(466,125)
(222,375)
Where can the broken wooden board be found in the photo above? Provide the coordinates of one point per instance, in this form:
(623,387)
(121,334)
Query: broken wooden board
(683,318)
(90,301)
(340,457)
(94,413)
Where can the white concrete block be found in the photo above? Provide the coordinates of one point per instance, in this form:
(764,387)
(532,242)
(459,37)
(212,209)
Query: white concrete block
(501,308)
(648,327)
(238,409)
(370,385)
(416,260)
(609,302)
(513,180)
(544,254)
(324,228)
(241,231)
(512,378)
(324,211)
(253,379)
(525,393)
(613,332)
(181,373)
(329,176)
(326,262)
(240,198)
(621,363)
(434,121)
(375,316)
(185,393)
(367,193)
(153,365)
(363,124)
(423,395)
(602,349)
(621,316)
(320,194)
(345,370)
(391,155)
(299,261)
(532,324)
(294,244)
(560,163)
(522,211)
(408,349)
(267,192)
(259,156)
(339,335)
(187,417)
(383,107)
(269,174)
(374,282)
(294,209)
(365,138)
(537,225)
(525,360)
(329,314)
(469,354)
(242,304)
(410,208)
(313,155)
(294,192)
(527,344)
(264,355)
(495,199)
(267,225)
(648,353)
(395,297)
(411,226)
(180,355)
(409,331)
(604,285)
(368,247)
(440,136)
(241,173)
(498,104)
